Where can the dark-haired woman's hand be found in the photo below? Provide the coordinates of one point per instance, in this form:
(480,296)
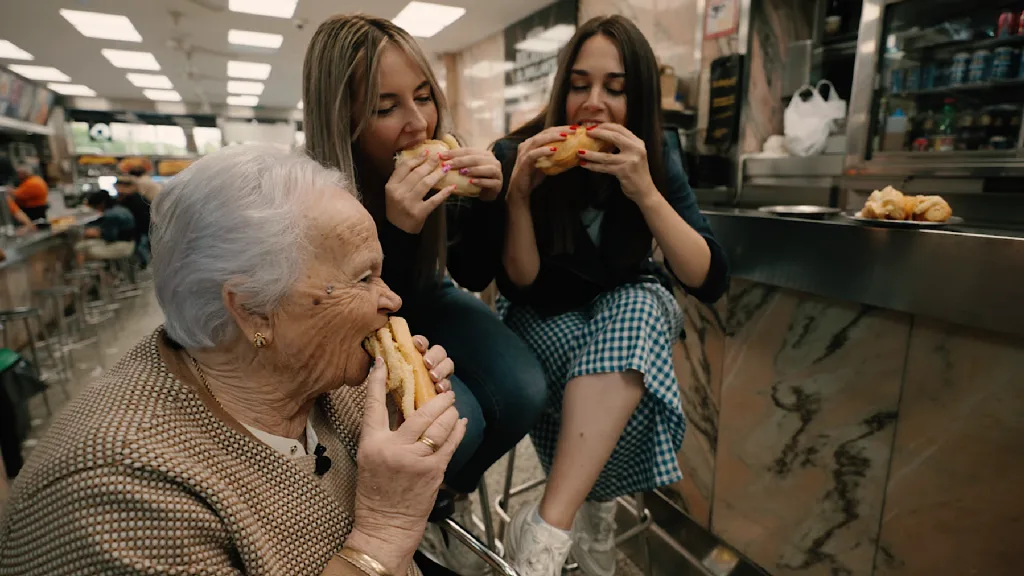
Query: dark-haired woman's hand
(525,175)
(481,166)
(629,164)
(405,195)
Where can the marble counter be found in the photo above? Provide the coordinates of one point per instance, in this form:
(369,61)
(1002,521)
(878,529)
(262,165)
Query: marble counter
(833,438)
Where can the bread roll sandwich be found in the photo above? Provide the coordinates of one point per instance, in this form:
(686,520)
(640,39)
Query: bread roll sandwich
(463,186)
(565,156)
(409,382)
(932,209)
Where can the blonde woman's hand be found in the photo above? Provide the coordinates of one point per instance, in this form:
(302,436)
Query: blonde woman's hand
(398,475)
(405,195)
(629,164)
(525,175)
(480,166)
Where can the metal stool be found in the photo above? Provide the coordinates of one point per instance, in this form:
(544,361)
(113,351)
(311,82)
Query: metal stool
(489,552)
(97,309)
(642,514)
(69,334)
(126,284)
(9,317)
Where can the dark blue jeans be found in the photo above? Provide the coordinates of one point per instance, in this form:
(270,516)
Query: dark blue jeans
(499,384)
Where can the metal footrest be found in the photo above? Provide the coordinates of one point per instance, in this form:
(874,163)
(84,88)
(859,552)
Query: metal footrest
(492,558)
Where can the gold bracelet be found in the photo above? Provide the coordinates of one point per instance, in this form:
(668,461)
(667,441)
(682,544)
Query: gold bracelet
(363,562)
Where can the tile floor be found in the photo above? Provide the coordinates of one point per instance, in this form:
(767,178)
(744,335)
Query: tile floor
(142,315)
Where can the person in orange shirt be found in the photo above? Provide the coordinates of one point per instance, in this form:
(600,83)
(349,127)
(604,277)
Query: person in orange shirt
(32,195)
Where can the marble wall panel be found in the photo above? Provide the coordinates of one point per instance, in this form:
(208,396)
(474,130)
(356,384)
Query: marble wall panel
(808,402)
(954,503)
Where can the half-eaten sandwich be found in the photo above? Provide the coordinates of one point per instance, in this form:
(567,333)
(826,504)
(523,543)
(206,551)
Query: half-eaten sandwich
(409,382)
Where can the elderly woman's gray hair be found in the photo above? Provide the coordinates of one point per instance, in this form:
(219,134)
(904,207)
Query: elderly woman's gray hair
(238,216)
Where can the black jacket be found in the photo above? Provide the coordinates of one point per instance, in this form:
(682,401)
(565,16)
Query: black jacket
(569,281)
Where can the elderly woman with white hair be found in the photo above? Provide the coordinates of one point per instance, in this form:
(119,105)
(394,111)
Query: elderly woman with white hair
(249,434)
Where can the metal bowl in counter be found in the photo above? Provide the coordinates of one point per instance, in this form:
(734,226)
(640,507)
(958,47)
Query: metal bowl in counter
(808,211)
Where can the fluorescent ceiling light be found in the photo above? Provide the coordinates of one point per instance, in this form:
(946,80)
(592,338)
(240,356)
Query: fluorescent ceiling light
(71,89)
(240,87)
(243,100)
(424,19)
(12,52)
(162,95)
(249,70)
(258,39)
(549,40)
(149,80)
(299,105)
(273,8)
(131,60)
(489,68)
(41,73)
(105,26)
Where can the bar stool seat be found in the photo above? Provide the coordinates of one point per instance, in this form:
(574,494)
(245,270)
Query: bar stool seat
(25,315)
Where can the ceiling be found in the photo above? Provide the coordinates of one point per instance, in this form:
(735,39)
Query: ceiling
(168,25)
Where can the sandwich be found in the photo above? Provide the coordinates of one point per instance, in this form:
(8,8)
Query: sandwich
(409,383)
(463,186)
(565,156)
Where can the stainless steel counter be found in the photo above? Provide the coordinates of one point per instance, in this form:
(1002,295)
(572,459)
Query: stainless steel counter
(18,248)
(967,276)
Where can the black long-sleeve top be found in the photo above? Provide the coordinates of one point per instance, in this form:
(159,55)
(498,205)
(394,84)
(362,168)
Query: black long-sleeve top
(474,249)
(569,281)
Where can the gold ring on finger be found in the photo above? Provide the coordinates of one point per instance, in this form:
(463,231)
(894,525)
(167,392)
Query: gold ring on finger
(430,443)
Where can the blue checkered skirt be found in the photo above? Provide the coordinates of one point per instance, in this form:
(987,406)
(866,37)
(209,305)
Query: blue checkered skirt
(630,328)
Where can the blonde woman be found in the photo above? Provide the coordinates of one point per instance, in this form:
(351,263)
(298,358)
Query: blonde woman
(369,93)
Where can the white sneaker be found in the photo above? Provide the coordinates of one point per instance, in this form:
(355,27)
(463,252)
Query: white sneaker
(594,545)
(534,547)
(449,552)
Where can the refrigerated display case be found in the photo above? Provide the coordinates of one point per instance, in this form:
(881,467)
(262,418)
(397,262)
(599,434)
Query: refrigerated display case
(938,89)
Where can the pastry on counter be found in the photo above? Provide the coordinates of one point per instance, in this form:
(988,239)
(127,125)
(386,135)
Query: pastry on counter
(932,209)
(891,204)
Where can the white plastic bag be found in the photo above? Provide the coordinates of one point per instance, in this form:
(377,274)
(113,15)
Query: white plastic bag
(835,105)
(807,123)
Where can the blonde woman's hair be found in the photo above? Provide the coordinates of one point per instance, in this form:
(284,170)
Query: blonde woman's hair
(340,89)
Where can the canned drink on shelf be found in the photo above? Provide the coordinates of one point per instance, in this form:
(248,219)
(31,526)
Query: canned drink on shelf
(958,71)
(1007,25)
(980,69)
(929,73)
(912,78)
(896,80)
(1002,63)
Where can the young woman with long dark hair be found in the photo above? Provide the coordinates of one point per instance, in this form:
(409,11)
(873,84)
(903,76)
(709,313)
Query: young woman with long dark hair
(580,286)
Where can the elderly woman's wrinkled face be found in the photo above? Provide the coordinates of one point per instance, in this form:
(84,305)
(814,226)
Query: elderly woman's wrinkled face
(338,300)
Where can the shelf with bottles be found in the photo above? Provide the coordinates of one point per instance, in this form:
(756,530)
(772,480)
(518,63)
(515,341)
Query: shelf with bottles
(952,126)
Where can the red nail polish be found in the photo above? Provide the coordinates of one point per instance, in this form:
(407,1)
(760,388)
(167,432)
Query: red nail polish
(554,149)
(589,128)
(472,180)
(562,134)
(582,152)
(583,162)
(573,127)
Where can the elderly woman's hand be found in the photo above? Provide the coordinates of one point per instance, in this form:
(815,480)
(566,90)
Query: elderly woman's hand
(436,359)
(398,474)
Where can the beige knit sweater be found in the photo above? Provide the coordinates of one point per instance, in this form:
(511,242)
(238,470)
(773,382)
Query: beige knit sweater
(137,476)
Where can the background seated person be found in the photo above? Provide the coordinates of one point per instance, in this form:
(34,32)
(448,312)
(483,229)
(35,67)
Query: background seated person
(129,197)
(112,236)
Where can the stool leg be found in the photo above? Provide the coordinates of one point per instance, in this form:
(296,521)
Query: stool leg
(38,367)
(506,492)
(485,512)
(645,548)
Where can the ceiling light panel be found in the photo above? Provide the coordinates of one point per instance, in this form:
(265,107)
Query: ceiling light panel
(425,19)
(12,52)
(131,60)
(548,41)
(299,106)
(104,26)
(272,8)
(162,95)
(248,70)
(149,80)
(242,87)
(257,39)
(71,89)
(41,73)
(243,100)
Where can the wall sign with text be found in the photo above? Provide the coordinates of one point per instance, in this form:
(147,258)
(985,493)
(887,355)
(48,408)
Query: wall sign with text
(722,18)
(725,96)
